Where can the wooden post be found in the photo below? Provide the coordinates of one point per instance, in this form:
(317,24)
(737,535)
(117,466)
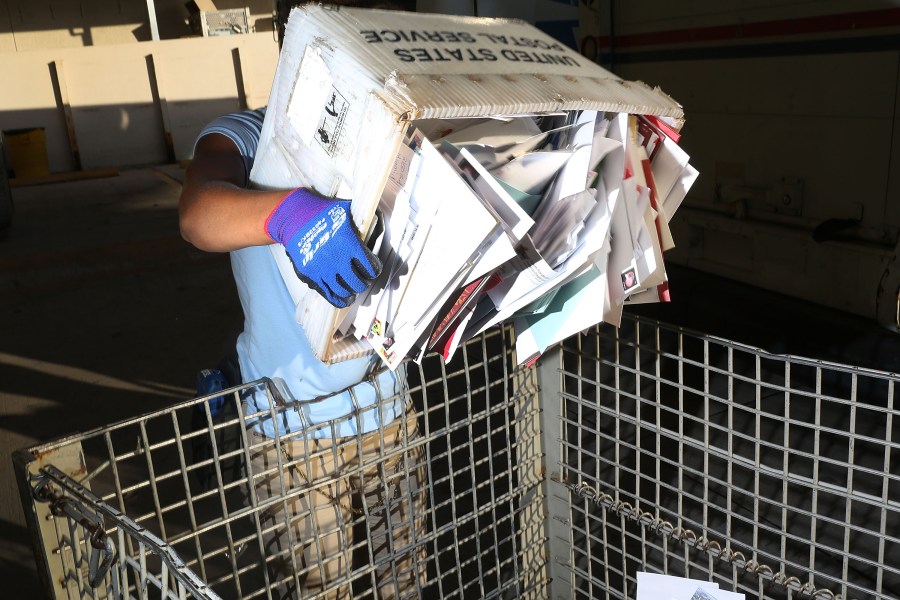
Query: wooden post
(59,74)
(244,90)
(151,15)
(157,81)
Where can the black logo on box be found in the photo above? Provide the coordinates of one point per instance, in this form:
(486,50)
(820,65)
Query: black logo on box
(331,121)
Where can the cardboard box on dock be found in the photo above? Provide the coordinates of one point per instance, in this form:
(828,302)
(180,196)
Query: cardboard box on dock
(350,82)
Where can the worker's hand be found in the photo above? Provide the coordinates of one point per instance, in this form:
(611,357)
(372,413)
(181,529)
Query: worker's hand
(323,245)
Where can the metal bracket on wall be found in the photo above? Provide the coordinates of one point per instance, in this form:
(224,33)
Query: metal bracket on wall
(887,300)
(783,197)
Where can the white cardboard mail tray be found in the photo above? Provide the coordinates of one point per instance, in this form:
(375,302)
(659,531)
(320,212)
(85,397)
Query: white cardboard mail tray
(350,82)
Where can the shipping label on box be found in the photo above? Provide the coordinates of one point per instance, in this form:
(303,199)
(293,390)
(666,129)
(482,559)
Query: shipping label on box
(349,83)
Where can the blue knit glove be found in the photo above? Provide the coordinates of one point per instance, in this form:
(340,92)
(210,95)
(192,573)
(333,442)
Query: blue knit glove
(323,245)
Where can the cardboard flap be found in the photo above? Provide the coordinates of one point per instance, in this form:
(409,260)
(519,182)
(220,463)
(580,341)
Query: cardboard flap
(448,65)
(451,96)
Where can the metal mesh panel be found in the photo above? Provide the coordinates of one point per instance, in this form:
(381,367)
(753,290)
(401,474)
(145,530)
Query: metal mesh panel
(649,449)
(694,456)
(171,492)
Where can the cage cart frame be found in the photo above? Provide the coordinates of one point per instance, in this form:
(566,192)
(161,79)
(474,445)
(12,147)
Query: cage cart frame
(642,448)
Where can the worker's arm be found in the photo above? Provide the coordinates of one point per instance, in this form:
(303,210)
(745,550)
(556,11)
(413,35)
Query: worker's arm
(217,212)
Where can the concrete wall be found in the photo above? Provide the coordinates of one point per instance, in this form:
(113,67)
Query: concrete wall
(792,116)
(130,104)
(40,24)
(84,71)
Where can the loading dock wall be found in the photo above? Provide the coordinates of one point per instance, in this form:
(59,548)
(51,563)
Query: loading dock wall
(133,104)
(792,122)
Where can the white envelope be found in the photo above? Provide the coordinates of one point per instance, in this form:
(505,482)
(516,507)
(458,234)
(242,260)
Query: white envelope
(654,586)
(532,172)
(460,229)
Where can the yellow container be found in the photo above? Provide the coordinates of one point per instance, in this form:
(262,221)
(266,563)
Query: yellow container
(27,151)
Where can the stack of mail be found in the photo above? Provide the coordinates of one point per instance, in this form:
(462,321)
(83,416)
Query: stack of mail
(351,88)
(652,586)
(551,221)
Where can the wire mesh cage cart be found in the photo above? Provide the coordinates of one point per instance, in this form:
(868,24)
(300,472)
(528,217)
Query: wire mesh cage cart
(642,448)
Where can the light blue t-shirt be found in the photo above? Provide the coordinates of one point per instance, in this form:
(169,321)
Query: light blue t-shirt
(274,345)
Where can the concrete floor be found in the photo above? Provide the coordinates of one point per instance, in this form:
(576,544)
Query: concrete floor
(105,313)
